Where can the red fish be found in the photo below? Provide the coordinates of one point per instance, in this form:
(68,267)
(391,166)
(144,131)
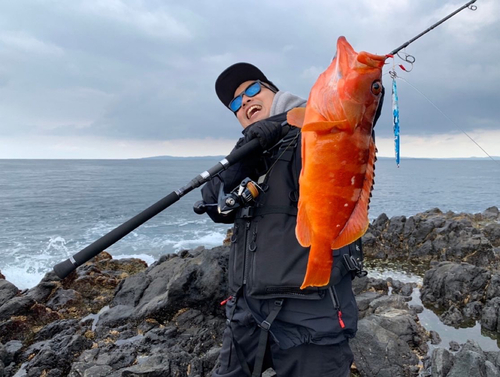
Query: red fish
(338,157)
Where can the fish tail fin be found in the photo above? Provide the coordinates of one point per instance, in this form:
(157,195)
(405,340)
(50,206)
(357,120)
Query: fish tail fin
(295,117)
(319,266)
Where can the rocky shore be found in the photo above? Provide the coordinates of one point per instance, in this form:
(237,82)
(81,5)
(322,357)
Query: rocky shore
(123,318)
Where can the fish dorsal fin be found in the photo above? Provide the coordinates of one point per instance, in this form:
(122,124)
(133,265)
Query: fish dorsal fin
(295,117)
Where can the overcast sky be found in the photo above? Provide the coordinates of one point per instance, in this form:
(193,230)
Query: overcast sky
(128,79)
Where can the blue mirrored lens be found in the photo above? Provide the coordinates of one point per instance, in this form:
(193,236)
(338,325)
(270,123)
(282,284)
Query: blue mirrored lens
(251,91)
(235,104)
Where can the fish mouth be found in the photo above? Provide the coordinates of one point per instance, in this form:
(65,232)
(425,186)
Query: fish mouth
(252,110)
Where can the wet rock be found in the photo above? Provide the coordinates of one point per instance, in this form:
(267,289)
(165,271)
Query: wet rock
(121,318)
(491,213)
(452,317)
(491,314)
(436,236)
(450,284)
(459,291)
(442,361)
(471,361)
(388,343)
(7,291)
(493,289)
(435,338)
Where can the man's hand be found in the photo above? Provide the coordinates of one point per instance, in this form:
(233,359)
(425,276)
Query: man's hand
(267,132)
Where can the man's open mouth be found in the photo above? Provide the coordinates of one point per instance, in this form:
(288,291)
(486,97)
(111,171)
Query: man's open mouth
(252,110)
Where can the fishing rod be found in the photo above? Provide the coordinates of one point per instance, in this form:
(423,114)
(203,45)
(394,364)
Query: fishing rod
(411,59)
(63,269)
(468,5)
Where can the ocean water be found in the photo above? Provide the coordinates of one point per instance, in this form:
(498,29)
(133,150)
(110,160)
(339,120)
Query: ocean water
(51,209)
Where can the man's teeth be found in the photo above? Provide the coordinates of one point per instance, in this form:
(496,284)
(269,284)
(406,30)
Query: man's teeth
(252,110)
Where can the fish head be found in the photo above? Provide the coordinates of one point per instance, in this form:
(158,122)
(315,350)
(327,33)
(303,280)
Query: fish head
(350,89)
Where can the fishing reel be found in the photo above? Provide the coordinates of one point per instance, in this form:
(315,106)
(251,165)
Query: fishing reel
(242,196)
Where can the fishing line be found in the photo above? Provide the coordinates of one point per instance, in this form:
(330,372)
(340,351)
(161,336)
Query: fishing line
(450,120)
(404,45)
(410,59)
(281,154)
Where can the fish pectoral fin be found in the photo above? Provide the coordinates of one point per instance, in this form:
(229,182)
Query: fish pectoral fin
(326,126)
(295,117)
(303,228)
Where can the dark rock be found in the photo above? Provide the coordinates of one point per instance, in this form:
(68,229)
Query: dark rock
(121,318)
(380,222)
(16,306)
(454,346)
(451,283)
(435,338)
(452,317)
(417,309)
(493,289)
(491,213)
(359,285)
(12,351)
(378,351)
(65,298)
(364,299)
(435,236)
(492,233)
(62,327)
(491,314)
(442,361)
(470,361)
(7,291)
(407,289)
(182,282)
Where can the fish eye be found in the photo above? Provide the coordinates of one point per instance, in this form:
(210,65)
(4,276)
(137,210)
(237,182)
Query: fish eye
(376,87)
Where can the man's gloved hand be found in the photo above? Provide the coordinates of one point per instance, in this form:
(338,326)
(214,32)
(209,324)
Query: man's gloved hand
(267,132)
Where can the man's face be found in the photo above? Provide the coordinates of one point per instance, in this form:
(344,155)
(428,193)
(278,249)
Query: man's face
(254,108)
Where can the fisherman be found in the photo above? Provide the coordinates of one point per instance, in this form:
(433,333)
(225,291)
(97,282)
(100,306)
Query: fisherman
(271,322)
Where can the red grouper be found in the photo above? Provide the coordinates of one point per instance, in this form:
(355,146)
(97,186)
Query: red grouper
(338,157)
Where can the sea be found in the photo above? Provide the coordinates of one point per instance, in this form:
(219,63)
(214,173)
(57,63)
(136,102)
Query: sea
(52,209)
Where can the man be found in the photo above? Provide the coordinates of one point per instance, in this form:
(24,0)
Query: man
(271,321)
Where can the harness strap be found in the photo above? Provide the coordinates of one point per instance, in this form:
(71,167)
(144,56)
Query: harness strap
(239,352)
(264,336)
(351,262)
(248,212)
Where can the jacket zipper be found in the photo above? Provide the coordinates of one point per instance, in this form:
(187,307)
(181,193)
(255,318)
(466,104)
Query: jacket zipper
(336,305)
(247,228)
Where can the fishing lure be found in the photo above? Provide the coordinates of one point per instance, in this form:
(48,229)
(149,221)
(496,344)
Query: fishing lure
(395,118)
(410,59)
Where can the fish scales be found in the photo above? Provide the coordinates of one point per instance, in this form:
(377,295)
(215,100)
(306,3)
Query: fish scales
(338,157)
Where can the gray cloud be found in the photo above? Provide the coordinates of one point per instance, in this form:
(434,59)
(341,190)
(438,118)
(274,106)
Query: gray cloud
(146,70)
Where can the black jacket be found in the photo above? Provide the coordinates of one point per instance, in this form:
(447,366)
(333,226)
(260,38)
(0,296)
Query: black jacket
(266,257)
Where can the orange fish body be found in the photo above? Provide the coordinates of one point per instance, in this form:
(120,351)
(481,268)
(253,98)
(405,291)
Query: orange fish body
(338,157)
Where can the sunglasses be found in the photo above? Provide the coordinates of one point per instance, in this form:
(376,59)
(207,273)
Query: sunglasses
(252,90)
